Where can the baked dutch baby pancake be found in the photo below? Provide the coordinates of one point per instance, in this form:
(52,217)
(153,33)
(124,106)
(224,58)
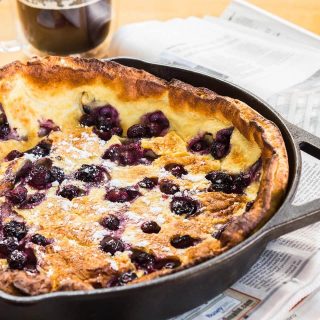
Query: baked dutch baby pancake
(110,176)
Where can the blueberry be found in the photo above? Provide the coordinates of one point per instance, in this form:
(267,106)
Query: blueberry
(233,183)
(14,154)
(148,183)
(243,180)
(124,155)
(182,242)
(129,154)
(32,201)
(221,145)
(132,193)
(117,195)
(42,149)
(40,240)
(8,245)
(122,194)
(17,195)
(105,120)
(143,259)
(111,245)
(249,205)
(150,227)
(39,177)
(87,120)
(156,122)
(89,173)
(240,182)
(4,131)
(45,162)
(126,277)
(167,263)
(113,153)
(3,117)
(128,158)
(138,131)
(219,149)
(70,192)
(17,260)
(168,187)
(224,135)
(31,262)
(155,129)
(221,181)
(57,174)
(46,127)
(201,144)
(176,169)
(111,222)
(184,205)
(104,124)
(158,117)
(24,171)
(86,109)
(108,112)
(103,135)
(15,229)
(117,130)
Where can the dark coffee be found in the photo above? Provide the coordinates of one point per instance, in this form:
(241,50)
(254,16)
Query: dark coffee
(58,27)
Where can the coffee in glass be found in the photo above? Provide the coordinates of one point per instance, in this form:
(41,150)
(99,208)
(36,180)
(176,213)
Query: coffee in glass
(65,27)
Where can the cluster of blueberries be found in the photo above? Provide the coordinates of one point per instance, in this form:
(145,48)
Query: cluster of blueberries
(105,122)
(15,245)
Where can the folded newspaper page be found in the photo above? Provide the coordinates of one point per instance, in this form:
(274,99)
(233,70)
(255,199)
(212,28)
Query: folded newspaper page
(266,64)
(246,14)
(279,62)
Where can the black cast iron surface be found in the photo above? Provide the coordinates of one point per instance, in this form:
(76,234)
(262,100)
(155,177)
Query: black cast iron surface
(176,293)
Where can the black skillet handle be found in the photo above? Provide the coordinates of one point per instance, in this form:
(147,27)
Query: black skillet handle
(291,217)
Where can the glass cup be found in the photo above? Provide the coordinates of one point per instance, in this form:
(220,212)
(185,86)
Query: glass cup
(64,27)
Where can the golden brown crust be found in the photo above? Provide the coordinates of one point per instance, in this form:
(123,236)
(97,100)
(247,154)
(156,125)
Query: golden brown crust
(187,105)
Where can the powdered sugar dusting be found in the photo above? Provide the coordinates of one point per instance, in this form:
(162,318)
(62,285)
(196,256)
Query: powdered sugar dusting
(133,216)
(194,177)
(99,234)
(142,243)
(114,265)
(156,209)
(99,209)
(160,219)
(31,157)
(163,173)
(66,205)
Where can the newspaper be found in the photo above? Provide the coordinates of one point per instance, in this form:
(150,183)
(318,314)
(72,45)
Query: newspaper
(246,14)
(304,97)
(266,64)
(279,62)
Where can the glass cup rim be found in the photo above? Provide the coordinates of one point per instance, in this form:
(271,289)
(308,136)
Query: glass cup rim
(57,4)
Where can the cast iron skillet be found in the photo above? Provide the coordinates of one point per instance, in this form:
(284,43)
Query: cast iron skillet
(176,293)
